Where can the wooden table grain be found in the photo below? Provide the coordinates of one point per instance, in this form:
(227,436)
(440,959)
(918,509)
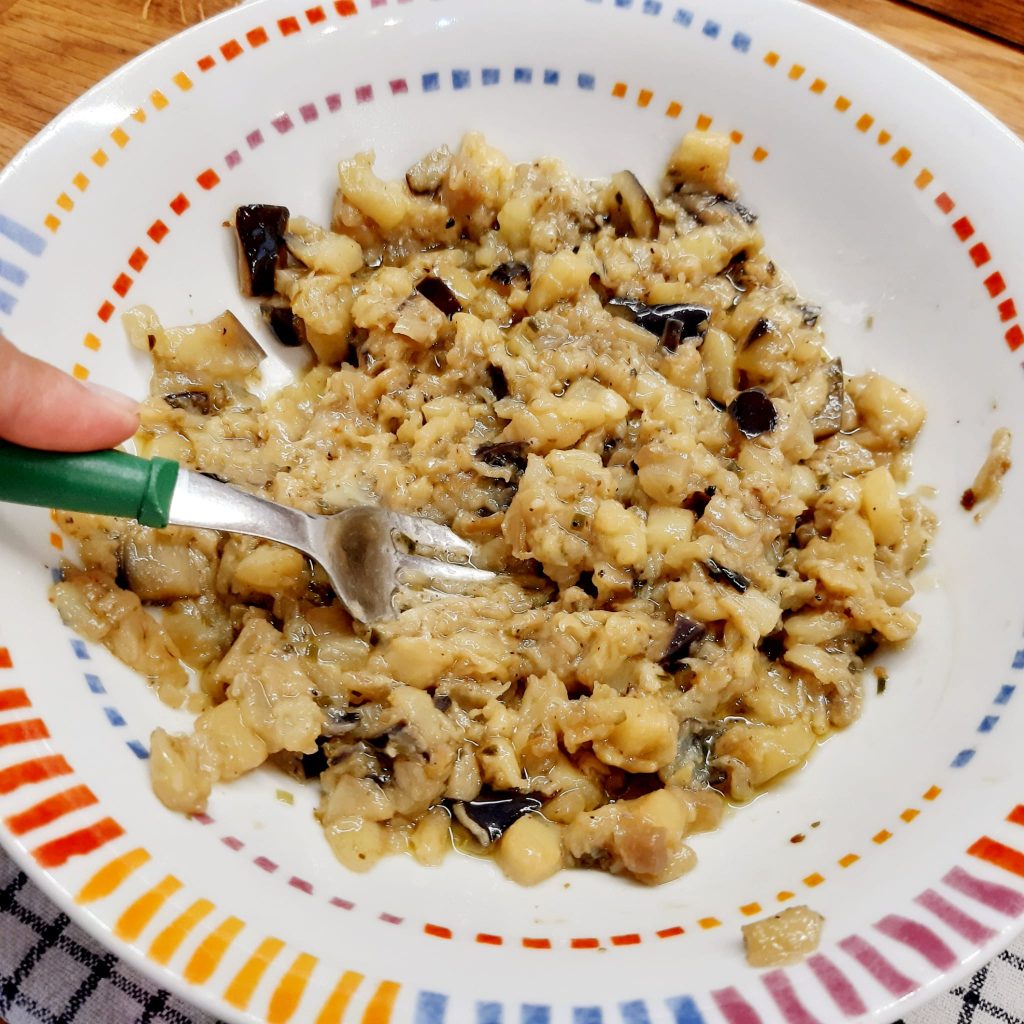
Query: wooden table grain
(51,51)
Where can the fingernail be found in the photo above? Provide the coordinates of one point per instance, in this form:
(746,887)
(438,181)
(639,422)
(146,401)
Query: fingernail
(116,398)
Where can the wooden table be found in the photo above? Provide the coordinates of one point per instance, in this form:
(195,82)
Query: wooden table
(61,47)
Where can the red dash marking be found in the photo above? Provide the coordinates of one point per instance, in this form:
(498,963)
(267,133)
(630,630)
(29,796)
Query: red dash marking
(337,901)
(995,284)
(489,940)
(203,819)
(669,933)
(963,228)
(309,112)
(265,864)
(257,36)
(282,123)
(205,63)
(919,938)
(398,86)
(963,924)
(735,1009)
(5,658)
(345,8)
(1006,901)
(438,931)
(1007,311)
(1016,816)
(289,26)
(837,985)
(944,203)
(301,884)
(122,285)
(23,732)
(137,260)
(232,843)
(315,15)
(179,204)
(391,919)
(208,179)
(51,809)
(536,943)
(781,990)
(877,966)
(979,254)
(27,773)
(76,844)
(1015,337)
(364,93)
(233,159)
(629,939)
(333,102)
(231,49)
(158,231)
(105,312)
(11,699)
(584,943)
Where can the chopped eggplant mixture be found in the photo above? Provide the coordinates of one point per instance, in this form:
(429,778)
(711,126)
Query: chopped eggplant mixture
(699,523)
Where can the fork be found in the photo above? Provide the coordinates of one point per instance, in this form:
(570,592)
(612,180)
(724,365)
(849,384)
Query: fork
(358,547)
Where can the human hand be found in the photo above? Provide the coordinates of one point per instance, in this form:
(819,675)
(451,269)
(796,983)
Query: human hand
(43,407)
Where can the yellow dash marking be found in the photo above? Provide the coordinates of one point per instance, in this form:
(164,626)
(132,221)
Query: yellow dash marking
(750,908)
(882,837)
(57,541)
(644,97)
(674,109)
(850,858)
(92,342)
(182,81)
(337,1003)
(784,895)
(819,85)
(864,122)
(901,156)
(619,90)
(709,922)
(797,71)
(737,137)
(910,814)
(100,158)
(842,104)
(120,136)
(771,58)
(211,951)
(934,791)
(130,924)
(79,372)
(166,944)
(813,880)
(760,154)
(138,114)
(884,137)
(285,999)
(158,99)
(65,202)
(80,181)
(240,991)
(378,1009)
(703,123)
(111,875)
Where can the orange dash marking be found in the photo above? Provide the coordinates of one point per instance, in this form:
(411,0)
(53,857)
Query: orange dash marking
(944,202)
(842,104)
(760,154)
(85,840)
(771,58)
(709,922)
(931,793)
(881,837)
(536,943)
(65,202)
(5,658)
(208,179)
(79,372)
(796,72)
(346,8)
(158,231)
(619,90)
(703,122)
(674,109)
(813,879)
(205,63)
(211,951)
(122,285)
(910,814)
(584,943)
(51,222)
(670,933)
(257,36)
(1015,337)
(158,99)
(285,1000)
(864,122)
(56,540)
(314,15)
(629,939)
(289,26)
(11,699)
(487,939)
(818,86)
(438,931)
(130,924)
(901,156)
(644,97)
(23,732)
(784,895)
(1002,856)
(1016,816)
(924,178)
(111,876)
(239,991)
(51,809)
(850,858)
(27,773)
(337,1003)
(884,137)
(106,311)
(166,944)
(231,49)
(750,908)
(138,260)
(179,204)
(737,137)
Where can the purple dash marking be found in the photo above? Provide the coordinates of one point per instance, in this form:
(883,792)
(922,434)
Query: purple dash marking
(741,41)
(7,302)
(308,112)
(265,864)
(998,897)
(490,76)
(21,236)
(203,818)
(391,919)
(12,273)
(81,651)
(138,750)
(684,1010)
(333,102)
(430,1007)
(652,7)
(837,985)
(683,17)
(399,86)
(364,94)
(1005,693)
(114,717)
(94,683)
(962,758)
(488,1013)
(918,937)
(877,966)
(1018,660)
(635,1012)
(533,1014)
(586,1015)
(283,123)
(232,843)
(301,884)
(735,1009)
(233,159)
(337,901)
(963,924)
(781,990)
(711,29)
(254,139)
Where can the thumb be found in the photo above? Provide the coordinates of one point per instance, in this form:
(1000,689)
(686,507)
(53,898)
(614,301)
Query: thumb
(43,407)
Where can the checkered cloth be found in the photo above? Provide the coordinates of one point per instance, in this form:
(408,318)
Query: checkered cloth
(52,973)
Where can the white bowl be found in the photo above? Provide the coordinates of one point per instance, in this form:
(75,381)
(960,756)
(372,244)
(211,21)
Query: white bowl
(893,201)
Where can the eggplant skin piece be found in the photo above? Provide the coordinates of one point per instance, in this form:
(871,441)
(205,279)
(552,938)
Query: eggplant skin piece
(288,328)
(261,250)
(493,812)
(693,319)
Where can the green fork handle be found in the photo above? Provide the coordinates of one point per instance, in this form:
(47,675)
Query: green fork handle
(110,483)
